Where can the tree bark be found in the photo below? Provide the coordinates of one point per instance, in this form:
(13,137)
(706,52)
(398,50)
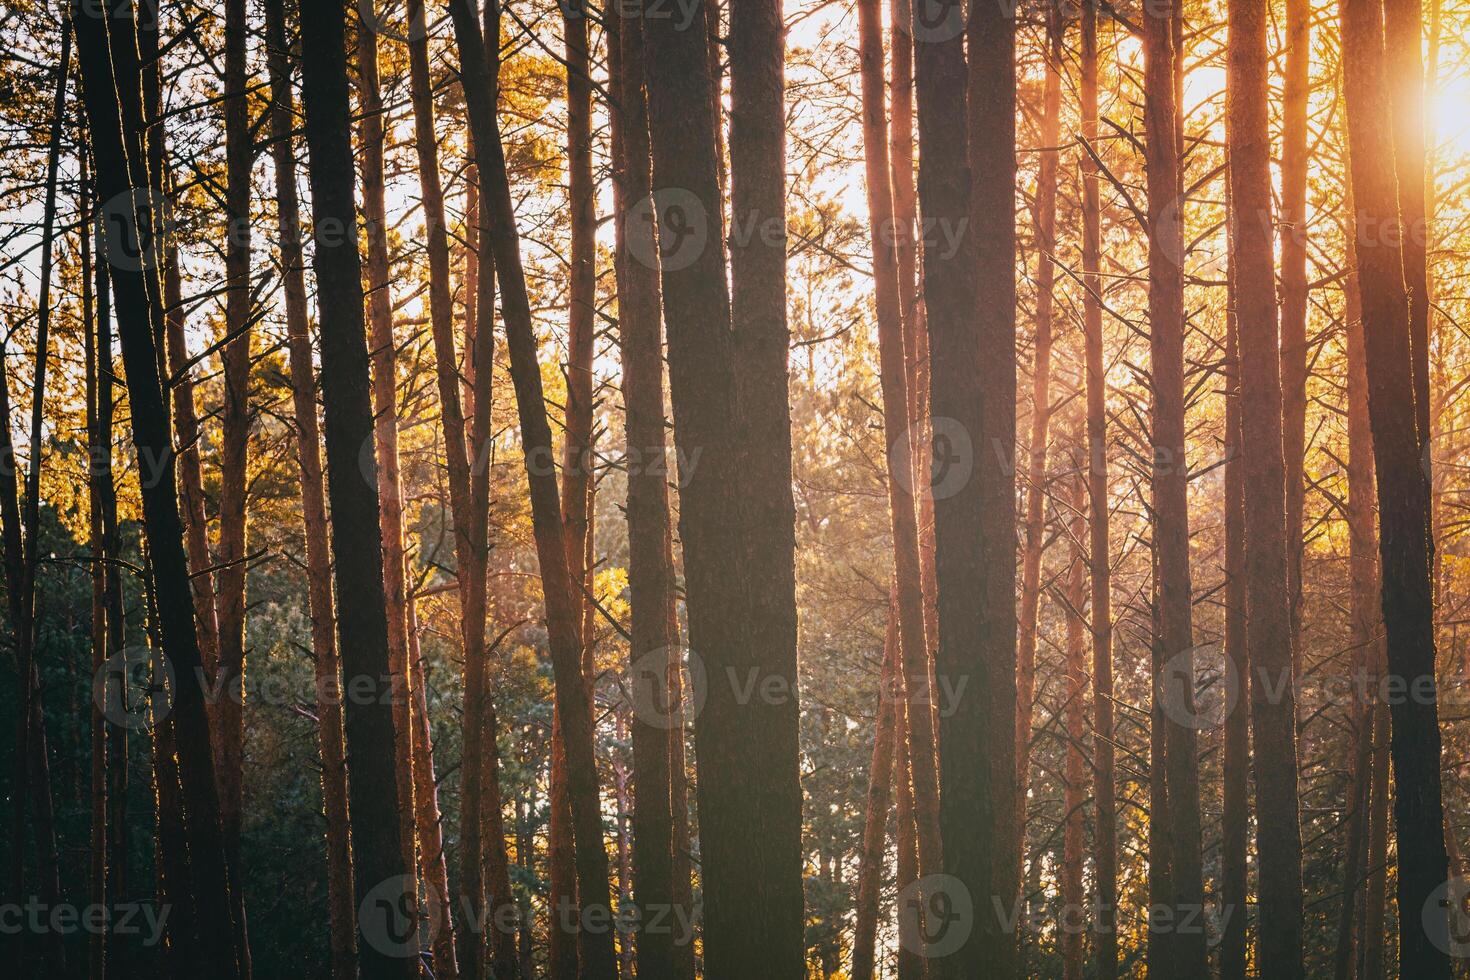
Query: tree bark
(362,629)
(1235,798)
(751,815)
(234,445)
(984,726)
(1170,478)
(900,429)
(385,425)
(1105,843)
(1294,294)
(653,651)
(108,54)
(1268,623)
(1044,219)
(1075,796)
(1403,47)
(1403,489)
(873,855)
(562,605)
(342,911)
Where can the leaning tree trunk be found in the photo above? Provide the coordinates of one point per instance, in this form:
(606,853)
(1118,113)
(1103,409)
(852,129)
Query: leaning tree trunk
(470,538)
(341,909)
(979,811)
(899,432)
(1174,641)
(111,76)
(1105,842)
(562,601)
(873,855)
(1403,494)
(1268,620)
(381,878)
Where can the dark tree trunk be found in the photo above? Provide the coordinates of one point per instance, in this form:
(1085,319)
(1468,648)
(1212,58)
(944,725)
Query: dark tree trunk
(1403,493)
(1174,640)
(653,650)
(342,909)
(379,874)
(1268,619)
(111,76)
(1235,798)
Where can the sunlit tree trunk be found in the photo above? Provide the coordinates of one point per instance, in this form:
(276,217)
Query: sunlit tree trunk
(561,593)
(1044,220)
(1235,793)
(1268,620)
(1403,46)
(899,432)
(1105,843)
(1293,239)
(1403,488)
(385,421)
(340,905)
(379,870)
(235,416)
(108,54)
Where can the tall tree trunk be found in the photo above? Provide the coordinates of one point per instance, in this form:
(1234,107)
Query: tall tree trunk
(653,652)
(576,486)
(385,424)
(234,443)
(899,431)
(1268,620)
(751,815)
(1075,797)
(984,728)
(1403,46)
(1403,492)
(1044,220)
(562,602)
(1235,799)
(341,908)
(1365,618)
(873,855)
(108,54)
(379,872)
(1170,478)
(97,740)
(470,538)
(949,295)
(1105,843)
(1293,238)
